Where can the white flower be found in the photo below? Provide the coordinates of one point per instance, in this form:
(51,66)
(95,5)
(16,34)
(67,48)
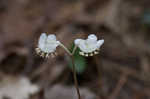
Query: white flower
(90,46)
(47,45)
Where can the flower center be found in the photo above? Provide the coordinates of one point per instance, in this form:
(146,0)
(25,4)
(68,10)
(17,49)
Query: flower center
(87,45)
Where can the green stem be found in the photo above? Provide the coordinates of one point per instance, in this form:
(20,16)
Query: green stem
(75,77)
(73,69)
(74,49)
(65,49)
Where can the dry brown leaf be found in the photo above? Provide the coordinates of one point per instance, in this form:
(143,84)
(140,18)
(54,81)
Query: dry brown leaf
(17,88)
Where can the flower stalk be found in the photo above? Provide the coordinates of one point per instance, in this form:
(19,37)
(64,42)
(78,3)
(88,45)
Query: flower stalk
(75,77)
(73,68)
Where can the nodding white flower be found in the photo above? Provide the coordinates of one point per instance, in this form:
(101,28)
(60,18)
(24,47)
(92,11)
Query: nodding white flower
(47,45)
(90,46)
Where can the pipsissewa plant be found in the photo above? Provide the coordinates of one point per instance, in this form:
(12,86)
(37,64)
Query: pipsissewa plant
(47,47)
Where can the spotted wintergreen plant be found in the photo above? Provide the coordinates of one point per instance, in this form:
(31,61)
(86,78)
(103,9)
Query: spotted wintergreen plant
(47,45)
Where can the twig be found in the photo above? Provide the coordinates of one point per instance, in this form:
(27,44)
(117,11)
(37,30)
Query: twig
(120,84)
(116,67)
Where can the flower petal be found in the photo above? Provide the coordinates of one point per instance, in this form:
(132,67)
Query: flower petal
(42,40)
(49,48)
(51,37)
(83,46)
(100,43)
(92,37)
(77,41)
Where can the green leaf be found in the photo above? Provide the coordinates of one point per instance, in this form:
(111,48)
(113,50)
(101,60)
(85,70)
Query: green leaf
(80,61)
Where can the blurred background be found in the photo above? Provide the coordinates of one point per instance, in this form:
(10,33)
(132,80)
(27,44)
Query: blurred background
(120,71)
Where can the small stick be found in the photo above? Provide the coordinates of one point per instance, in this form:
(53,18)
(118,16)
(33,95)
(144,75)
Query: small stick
(120,84)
